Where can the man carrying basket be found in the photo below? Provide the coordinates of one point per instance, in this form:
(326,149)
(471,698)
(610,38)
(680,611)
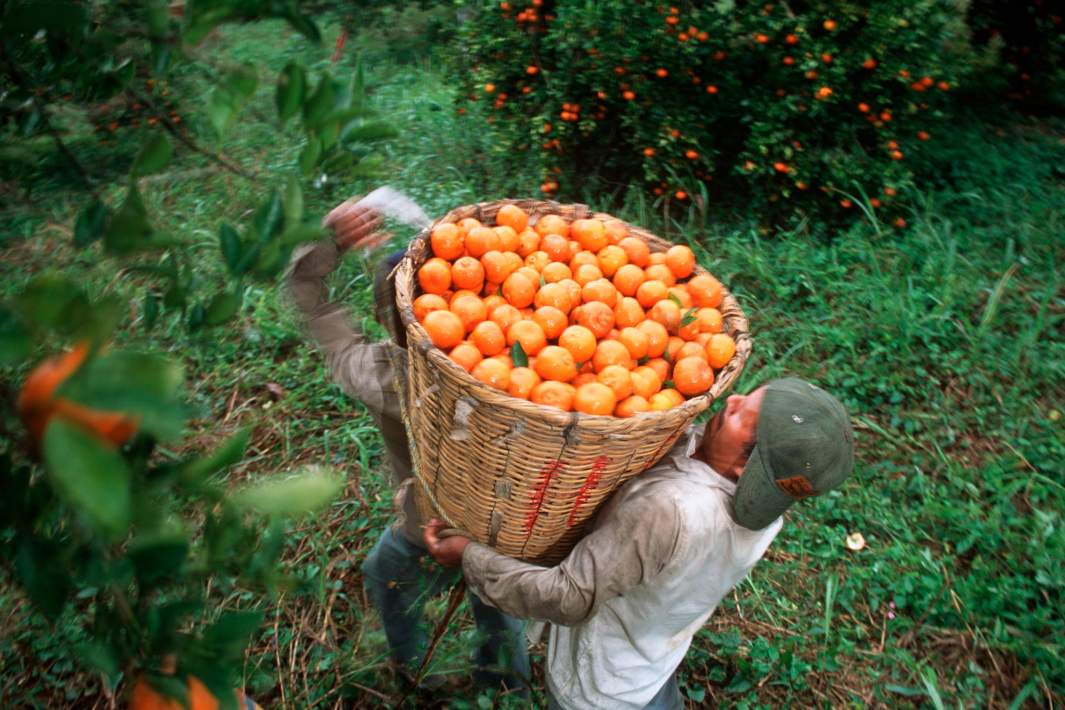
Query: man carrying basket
(395,579)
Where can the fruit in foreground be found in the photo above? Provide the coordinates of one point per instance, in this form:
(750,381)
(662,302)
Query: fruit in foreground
(145,697)
(37,403)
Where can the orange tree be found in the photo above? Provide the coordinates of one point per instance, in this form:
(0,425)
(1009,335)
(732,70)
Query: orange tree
(101,522)
(799,106)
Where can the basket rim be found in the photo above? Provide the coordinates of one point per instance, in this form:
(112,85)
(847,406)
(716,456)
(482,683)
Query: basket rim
(491,395)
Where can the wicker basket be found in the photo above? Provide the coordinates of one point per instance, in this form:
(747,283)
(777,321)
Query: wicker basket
(522,477)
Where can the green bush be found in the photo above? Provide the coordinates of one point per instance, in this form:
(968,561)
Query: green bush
(798,107)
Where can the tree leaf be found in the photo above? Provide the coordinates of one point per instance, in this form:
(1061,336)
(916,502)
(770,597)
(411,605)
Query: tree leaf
(229,453)
(154,155)
(369,131)
(517,354)
(689,317)
(231,633)
(143,385)
(16,344)
(320,104)
(89,475)
(91,223)
(222,308)
(309,156)
(304,25)
(293,496)
(300,234)
(128,230)
(291,90)
(676,299)
(267,220)
(150,309)
(229,242)
(293,202)
(156,557)
(41,571)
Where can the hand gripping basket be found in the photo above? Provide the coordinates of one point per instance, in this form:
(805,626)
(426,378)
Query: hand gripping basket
(518,476)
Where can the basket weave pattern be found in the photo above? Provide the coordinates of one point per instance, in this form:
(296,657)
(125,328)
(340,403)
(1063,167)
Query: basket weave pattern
(515,475)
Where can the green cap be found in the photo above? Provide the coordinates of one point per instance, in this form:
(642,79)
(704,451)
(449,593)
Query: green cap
(804,446)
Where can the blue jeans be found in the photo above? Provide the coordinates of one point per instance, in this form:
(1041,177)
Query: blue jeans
(399,577)
(668,698)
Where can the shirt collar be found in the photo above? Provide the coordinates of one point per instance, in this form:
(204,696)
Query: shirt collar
(682,457)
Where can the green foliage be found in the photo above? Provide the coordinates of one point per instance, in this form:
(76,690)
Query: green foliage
(807,107)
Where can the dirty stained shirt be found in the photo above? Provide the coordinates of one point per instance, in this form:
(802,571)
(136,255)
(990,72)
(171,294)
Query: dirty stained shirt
(625,604)
(363,369)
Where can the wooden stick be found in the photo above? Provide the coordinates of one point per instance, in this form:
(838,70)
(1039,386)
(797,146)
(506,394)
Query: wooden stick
(453,601)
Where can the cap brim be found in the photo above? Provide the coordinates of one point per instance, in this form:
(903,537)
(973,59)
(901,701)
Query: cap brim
(758,500)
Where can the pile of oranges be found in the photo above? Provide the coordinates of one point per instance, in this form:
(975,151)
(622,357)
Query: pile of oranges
(576,315)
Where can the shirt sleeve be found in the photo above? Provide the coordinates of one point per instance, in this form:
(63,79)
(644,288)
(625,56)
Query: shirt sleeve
(361,368)
(630,548)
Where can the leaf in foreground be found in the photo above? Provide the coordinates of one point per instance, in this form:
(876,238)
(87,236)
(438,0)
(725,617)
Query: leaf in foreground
(291,496)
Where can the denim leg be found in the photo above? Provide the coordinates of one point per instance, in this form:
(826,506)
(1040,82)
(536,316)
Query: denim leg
(502,656)
(668,698)
(398,586)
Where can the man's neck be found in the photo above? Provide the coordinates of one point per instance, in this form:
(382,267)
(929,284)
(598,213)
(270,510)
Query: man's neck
(700,455)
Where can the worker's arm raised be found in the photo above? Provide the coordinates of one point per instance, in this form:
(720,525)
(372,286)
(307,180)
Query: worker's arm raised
(630,548)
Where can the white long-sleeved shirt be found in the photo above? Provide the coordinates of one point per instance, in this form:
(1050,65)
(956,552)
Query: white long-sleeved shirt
(626,602)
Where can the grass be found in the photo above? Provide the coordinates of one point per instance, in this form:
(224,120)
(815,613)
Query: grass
(943,340)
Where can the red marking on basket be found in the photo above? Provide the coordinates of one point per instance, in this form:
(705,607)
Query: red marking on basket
(537,502)
(340,45)
(589,485)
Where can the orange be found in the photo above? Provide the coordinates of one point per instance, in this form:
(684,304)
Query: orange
(636,250)
(481,240)
(616,230)
(586,273)
(529,334)
(600,290)
(590,233)
(628,313)
(556,363)
(508,238)
(583,378)
(635,340)
(680,260)
(645,381)
(552,224)
(467,272)
(555,295)
(720,350)
(574,249)
(447,241)
(459,294)
(596,316)
(503,358)
(618,379)
(555,271)
(496,266)
(537,261)
(522,382)
(611,352)
(445,329)
(673,347)
(631,406)
(660,272)
(491,302)
(505,316)
(690,349)
(665,399)
(37,403)
(657,257)
(466,355)
(470,310)
(651,292)
(705,290)
(488,338)
(680,293)
(435,276)
(667,313)
(584,257)
(580,342)
(145,697)
(512,216)
(692,376)
(689,324)
(551,320)
(595,398)
(710,320)
(519,290)
(611,258)
(493,372)
(661,368)
(628,279)
(528,242)
(657,337)
(491,289)
(530,273)
(573,289)
(466,224)
(555,246)
(428,302)
(554,394)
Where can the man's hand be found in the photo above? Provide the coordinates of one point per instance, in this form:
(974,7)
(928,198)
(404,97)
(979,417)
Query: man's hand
(355,227)
(445,550)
